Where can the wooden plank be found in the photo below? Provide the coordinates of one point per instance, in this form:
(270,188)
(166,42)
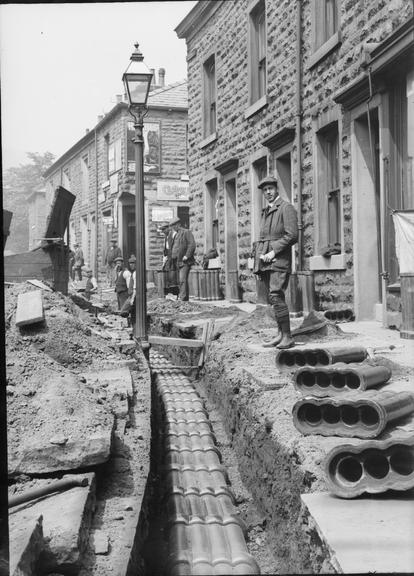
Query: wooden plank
(29,308)
(166,341)
(206,329)
(39,284)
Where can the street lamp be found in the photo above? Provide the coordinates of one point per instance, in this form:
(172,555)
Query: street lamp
(137,80)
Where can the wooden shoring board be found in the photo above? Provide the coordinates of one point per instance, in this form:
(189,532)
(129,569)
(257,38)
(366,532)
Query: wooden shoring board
(167,341)
(208,331)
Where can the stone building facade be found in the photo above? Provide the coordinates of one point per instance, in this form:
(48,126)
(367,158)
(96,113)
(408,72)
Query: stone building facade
(100,170)
(318,93)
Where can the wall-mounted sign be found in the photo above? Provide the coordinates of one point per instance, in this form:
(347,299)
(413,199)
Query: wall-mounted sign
(107,220)
(162,214)
(172,190)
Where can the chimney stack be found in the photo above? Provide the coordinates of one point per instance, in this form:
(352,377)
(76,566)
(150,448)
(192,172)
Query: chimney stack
(161,77)
(87,130)
(118,98)
(152,87)
(100,117)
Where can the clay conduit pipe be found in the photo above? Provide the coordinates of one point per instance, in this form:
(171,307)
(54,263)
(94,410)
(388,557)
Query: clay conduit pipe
(57,486)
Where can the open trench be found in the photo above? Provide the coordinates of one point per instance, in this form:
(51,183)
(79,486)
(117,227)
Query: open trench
(202,518)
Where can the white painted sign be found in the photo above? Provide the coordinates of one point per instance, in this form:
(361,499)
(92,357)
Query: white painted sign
(107,220)
(162,214)
(172,190)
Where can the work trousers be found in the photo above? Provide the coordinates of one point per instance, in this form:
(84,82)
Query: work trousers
(121,296)
(183,279)
(77,271)
(276,283)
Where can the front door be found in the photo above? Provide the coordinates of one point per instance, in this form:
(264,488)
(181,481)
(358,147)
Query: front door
(366,215)
(232,271)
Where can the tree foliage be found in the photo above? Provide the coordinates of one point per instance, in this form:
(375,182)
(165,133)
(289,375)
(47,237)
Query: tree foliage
(18,183)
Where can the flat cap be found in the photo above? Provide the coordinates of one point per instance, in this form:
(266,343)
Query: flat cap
(175,221)
(132,258)
(119,259)
(267,180)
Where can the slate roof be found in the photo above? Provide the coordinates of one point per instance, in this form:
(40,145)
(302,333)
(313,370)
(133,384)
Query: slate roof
(171,96)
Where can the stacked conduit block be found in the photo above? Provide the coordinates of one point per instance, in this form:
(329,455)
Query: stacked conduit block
(298,357)
(352,415)
(339,378)
(373,467)
(205,533)
(346,315)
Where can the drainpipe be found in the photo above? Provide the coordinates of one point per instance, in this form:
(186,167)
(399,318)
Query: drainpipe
(298,129)
(96,207)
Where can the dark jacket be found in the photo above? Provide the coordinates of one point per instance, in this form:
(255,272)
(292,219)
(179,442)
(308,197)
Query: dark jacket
(183,244)
(111,254)
(278,232)
(120,282)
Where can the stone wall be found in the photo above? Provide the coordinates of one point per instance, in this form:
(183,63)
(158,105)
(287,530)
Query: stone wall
(226,34)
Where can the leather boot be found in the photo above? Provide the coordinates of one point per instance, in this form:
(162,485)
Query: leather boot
(274,340)
(286,341)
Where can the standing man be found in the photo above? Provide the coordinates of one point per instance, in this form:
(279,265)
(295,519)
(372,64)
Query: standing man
(182,247)
(91,286)
(273,256)
(112,253)
(78,261)
(122,277)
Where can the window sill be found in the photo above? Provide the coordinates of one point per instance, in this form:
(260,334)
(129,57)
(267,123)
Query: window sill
(208,140)
(254,108)
(335,262)
(323,51)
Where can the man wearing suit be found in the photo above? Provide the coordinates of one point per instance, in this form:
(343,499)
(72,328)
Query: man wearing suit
(273,255)
(181,245)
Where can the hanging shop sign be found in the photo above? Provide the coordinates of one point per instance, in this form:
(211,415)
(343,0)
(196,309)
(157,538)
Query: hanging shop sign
(172,190)
(162,214)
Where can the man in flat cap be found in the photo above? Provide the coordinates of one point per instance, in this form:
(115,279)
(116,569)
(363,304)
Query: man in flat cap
(122,278)
(78,261)
(113,252)
(181,246)
(273,256)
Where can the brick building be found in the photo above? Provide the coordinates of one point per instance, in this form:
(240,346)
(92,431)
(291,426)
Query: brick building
(318,93)
(100,170)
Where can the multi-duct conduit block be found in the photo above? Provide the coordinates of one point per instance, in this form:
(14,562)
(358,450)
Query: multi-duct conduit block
(351,415)
(205,533)
(339,378)
(208,547)
(346,315)
(298,357)
(373,466)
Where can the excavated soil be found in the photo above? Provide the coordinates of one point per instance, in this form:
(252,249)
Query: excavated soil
(45,368)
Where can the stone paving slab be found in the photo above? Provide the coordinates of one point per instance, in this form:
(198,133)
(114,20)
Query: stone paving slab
(29,308)
(373,534)
(66,524)
(26,544)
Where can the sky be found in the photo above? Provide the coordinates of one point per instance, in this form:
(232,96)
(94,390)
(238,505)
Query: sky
(61,66)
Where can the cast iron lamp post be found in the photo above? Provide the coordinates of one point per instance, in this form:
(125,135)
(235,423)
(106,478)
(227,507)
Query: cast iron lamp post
(137,80)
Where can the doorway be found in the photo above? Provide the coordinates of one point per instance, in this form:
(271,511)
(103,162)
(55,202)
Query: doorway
(232,272)
(366,215)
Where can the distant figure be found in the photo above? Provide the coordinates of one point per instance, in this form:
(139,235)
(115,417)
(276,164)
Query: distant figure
(112,253)
(181,247)
(91,286)
(122,278)
(71,260)
(128,308)
(78,261)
